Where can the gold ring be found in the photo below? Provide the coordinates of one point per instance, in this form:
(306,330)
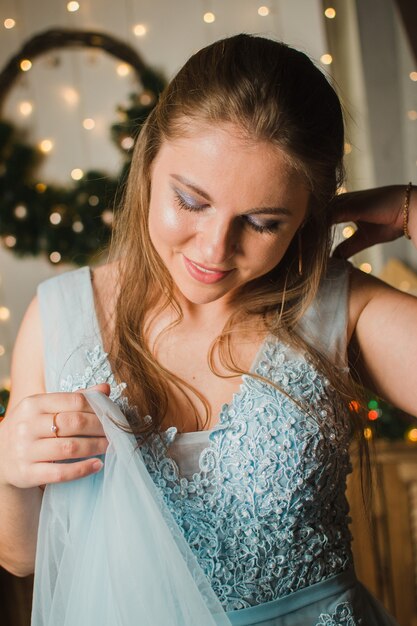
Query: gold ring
(54,427)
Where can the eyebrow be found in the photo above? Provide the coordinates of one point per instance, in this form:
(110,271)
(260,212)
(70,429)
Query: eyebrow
(256,211)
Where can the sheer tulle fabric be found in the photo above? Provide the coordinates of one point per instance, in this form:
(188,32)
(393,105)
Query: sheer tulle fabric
(109,552)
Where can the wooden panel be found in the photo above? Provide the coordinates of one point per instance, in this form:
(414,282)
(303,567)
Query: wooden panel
(15,599)
(385,548)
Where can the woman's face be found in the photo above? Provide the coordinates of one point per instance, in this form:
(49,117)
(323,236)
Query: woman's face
(223,210)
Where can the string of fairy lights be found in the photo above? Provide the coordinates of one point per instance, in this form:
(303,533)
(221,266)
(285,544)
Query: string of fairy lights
(72,97)
(378,411)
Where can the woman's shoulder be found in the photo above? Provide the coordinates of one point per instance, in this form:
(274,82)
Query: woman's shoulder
(106,283)
(105,278)
(366,293)
(66,281)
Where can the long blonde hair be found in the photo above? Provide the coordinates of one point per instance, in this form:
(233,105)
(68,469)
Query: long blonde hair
(275,94)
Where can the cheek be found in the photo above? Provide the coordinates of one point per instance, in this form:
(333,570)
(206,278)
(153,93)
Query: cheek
(270,257)
(166,224)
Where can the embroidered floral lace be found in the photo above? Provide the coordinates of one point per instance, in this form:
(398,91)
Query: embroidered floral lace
(342,616)
(266,512)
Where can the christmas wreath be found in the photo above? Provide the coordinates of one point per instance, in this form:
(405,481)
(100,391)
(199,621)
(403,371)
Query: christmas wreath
(71,223)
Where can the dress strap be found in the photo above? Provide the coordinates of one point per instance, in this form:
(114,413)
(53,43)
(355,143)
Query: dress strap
(69,323)
(325,323)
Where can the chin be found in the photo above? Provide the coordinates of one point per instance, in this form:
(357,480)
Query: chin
(201,299)
(199,296)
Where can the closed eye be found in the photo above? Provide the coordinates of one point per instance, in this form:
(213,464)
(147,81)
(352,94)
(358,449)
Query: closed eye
(256,224)
(188,203)
(267,226)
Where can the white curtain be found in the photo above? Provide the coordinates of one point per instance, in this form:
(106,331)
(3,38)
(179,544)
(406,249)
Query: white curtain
(372,61)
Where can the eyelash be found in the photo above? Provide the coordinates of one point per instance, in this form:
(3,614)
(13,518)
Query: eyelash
(271,228)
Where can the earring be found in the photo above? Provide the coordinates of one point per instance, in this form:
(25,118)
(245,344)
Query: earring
(300,255)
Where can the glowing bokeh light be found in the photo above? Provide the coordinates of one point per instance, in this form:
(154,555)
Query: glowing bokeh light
(46,145)
(89,123)
(77,173)
(93,200)
(348,231)
(78,226)
(209,17)
(55,218)
(330,13)
(263,11)
(25,65)
(123,69)
(367,432)
(70,95)
(107,217)
(25,108)
(72,7)
(412,435)
(10,241)
(55,257)
(21,211)
(139,30)
(366,267)
(326,59)
(127,143)
(4,313)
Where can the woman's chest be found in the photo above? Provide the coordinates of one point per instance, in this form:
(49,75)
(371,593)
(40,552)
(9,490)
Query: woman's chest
(205,373)
(270,462)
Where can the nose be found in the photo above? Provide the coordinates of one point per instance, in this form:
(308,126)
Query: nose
(218,240)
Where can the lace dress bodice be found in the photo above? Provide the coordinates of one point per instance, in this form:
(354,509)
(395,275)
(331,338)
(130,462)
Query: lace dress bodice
(260,499)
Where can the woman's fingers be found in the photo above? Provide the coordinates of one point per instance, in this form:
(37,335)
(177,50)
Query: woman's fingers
(68,424)
(45,473)
(66,448)
(63,401)
(28,444)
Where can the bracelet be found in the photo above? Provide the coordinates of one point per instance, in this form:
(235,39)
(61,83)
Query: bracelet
(406,209)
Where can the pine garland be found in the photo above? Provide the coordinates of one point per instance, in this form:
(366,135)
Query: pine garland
(75,220)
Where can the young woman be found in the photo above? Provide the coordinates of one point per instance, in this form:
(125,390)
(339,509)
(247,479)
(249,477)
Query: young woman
(220,329)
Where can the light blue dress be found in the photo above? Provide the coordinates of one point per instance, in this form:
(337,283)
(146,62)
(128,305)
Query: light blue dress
(246,524)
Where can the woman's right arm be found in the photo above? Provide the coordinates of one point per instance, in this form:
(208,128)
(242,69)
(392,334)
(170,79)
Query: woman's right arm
(27,445)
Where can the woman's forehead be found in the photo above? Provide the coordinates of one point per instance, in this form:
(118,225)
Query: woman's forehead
(191,135)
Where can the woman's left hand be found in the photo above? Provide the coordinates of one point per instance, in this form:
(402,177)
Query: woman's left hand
(377,213)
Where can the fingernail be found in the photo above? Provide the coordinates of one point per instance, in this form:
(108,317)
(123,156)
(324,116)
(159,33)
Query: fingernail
(97,465)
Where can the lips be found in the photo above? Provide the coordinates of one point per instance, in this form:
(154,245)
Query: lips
(204,274)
